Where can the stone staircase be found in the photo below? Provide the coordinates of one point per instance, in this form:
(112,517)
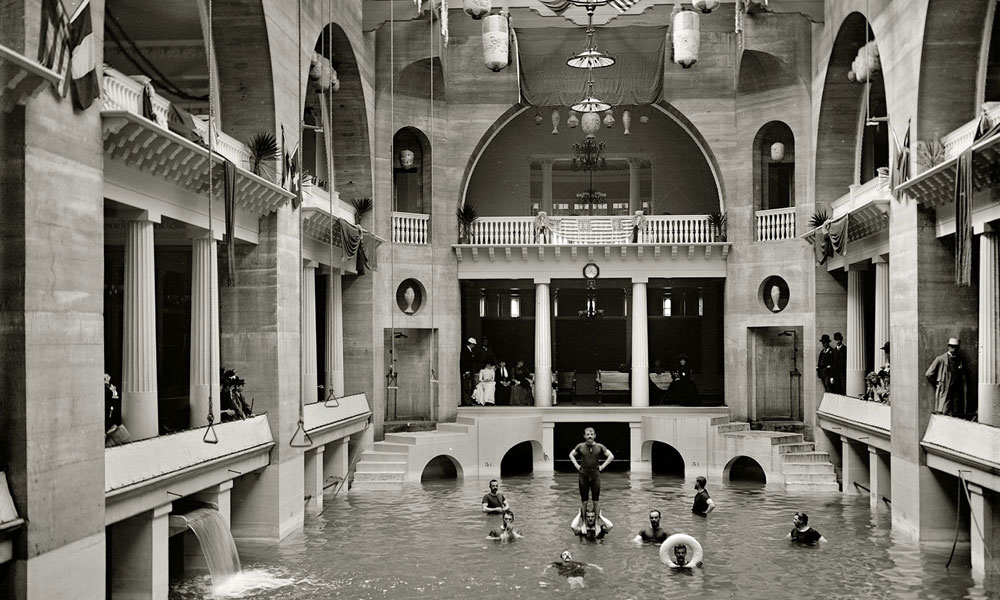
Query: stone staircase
(802,468)
(388,464)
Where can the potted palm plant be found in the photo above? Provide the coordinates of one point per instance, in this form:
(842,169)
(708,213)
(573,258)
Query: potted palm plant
(264,154)
(362,206)
(466,217)
(717,221)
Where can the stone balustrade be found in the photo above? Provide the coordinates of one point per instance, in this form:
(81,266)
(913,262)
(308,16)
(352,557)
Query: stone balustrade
(410,228)
(775,224)
(600,230)
(957,140)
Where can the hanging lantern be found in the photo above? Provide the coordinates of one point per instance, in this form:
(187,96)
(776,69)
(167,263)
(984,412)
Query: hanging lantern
(573,120)
(609,119)
(538,118)
(706,6)
(495,42)
(643,119)
(555,122)
(627,121)
(406,158)
(687,36)
(590,123)
(777,152)
(477,9)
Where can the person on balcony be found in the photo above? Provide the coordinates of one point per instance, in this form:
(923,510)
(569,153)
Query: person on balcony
(825,364)
(467,365)
(638,226)
(485,392)
(115,433)
(683,390)
(521,394)
(542,228)
(950,378)
(505,383)
(839,364)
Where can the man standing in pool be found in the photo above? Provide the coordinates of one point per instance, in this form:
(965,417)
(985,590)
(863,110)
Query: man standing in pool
(590,470)
(703,503)
(802,533)
(653,533)
(493,500)
(506,531)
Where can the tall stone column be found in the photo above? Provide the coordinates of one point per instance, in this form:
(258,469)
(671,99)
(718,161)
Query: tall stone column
(640,344)
(881,310)
(634,202)
(309,360)
(334,379)
(204,329)
(989,322)
(546,186)
(543,344)
(984,533)
(879,480)
(313,478)
(139,393)
(854,467)
(855,332)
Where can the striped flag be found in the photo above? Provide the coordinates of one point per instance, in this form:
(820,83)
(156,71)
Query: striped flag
(53,36)
(85,84)
(623,5)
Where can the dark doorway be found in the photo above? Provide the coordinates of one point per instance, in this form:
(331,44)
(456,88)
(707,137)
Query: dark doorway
(517,461)
(439,467)
(613,435)
(746,470)
(666,460)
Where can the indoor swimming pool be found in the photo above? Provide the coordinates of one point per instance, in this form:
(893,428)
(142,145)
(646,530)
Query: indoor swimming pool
(429,541)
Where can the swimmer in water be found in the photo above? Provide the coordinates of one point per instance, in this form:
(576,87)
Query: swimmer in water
(572,570)
(506,531)
(589,525)
(680,558)
(653,533)
(802,533)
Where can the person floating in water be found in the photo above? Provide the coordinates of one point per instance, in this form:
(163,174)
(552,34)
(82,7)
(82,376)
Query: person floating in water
(590,470)
(572,570)
(681,551)
(589,526)
(653,533)
(703,503)
(681,558)
(506,531)
(802,533)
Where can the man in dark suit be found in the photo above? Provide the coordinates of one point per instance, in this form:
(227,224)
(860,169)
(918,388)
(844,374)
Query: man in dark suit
(467,365)
(825,367)
(839,364)
(505,380)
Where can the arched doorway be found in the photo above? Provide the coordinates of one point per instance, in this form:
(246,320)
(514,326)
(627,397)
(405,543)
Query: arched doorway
(746,470)
(441,467)
(519,460)
(665,460)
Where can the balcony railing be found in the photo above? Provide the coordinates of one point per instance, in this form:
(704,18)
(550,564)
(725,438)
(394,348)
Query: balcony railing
(664,230)
(121,92)
(775,224)
(959,139)
(410,228)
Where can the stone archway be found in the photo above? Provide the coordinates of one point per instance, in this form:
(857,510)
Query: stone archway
(744,469)
(521,458)
(442,466)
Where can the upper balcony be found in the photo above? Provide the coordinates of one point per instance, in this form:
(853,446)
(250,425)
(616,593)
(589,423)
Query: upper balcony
(775,224)
(22,78)
(161,147)
(503,247)
(866,208)
(857,419)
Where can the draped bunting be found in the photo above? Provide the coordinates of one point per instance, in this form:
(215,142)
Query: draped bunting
(229,179)
(831,237)
(963,219)
(359,245)
(636,78)
(901,170)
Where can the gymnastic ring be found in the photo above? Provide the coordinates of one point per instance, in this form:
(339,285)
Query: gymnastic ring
(694,550)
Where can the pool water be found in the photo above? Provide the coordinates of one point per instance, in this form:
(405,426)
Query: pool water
(429,541)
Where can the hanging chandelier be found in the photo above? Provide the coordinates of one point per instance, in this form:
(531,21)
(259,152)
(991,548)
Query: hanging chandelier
(588,155)
(590,104)
(591,57)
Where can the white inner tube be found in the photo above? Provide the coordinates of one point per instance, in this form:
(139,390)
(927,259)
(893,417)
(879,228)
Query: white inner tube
(694,552)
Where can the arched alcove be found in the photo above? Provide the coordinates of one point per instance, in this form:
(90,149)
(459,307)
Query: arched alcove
(519,460)
(421,78)
(666,460)
(349,139)
(411,171)
(441,467)
(506,175)
(743,469)
(774,167)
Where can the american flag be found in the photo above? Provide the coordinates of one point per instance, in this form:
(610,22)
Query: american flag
(623,5)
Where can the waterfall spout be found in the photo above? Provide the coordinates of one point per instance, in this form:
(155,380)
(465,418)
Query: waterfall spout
(216,541)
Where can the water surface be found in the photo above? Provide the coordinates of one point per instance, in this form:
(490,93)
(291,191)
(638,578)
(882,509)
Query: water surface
(429,541)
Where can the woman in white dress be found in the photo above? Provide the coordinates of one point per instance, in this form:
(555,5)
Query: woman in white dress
(485,392)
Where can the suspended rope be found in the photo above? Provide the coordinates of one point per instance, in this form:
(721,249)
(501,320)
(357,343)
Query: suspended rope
(392,378)
(430,304)
(331,395)
(300,428)
(211,436)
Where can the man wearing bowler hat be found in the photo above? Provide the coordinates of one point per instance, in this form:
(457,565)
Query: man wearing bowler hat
(950,378)
(467,365)
(839,364)
(825,364)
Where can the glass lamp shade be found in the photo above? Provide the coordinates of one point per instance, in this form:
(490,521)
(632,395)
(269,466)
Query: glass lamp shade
(477,9)
(591,58)
(706,6)
(590,105)
(777,152)
(590,122)
(495,42)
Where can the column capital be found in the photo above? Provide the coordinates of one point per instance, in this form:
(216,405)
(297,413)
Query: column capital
(640,279)
(163,510)
(991,228)
(310,264)
(881,259)
(548,425)
(540,280)
(200,233)
(974,488)
(135,214)
(872,449)
(858,266)
(546,163)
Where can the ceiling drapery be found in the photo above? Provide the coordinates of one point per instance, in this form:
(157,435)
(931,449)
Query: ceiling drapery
(637,77)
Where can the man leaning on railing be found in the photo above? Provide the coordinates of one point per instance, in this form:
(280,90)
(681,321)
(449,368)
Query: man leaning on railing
(542,228)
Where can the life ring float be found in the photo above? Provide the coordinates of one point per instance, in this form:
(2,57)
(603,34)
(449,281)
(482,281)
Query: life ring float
(695,553)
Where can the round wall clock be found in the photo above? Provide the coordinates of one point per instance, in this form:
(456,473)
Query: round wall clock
(591,271)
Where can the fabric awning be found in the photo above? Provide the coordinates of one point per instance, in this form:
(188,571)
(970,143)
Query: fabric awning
(636,78)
